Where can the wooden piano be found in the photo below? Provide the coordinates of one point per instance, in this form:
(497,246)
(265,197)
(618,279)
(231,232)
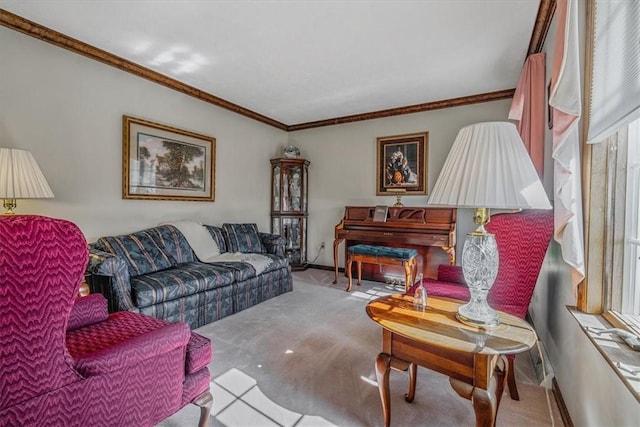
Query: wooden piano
(431,231)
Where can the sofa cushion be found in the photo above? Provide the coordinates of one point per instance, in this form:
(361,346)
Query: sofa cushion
(218,237)
(185,279)
(173,243)
(277,263)
(241,270)
(139,250)
(120,327)
(243,238)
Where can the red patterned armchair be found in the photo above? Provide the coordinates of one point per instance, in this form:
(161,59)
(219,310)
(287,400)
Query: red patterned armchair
(64,361)
(523,239)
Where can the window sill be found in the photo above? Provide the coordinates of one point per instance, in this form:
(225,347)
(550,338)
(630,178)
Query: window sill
(623,360)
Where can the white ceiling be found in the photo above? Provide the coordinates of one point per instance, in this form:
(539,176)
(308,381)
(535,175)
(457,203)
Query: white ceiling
(299,61)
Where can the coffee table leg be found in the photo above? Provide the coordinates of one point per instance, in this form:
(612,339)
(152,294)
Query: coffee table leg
(383,364)
(485,406)
(501,375)
(413,371)
(485,402)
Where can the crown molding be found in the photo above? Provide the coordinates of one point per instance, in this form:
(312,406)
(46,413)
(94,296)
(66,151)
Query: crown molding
(48,35)
(541,28)
(22,25)
(538,36)
(410,109)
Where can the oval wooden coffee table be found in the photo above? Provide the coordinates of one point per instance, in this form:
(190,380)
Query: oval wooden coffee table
(473,358)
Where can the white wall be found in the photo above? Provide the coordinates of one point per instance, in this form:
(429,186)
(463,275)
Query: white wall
(67,110)
(592,392)
(343,165)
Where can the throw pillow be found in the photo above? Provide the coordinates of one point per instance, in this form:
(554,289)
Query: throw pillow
(218,237)
(138,250)
(243,238)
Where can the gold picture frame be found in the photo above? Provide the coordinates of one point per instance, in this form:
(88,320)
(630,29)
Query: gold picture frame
(402,164)
(161,162)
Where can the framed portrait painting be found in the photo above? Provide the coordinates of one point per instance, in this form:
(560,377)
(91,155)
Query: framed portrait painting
(165,163)
(402,164)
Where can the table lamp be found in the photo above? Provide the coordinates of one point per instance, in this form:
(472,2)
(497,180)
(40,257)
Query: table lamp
(20,178)
(487,167)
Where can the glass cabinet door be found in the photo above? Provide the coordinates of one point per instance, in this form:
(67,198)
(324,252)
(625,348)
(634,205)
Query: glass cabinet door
(288,195)
(295,188)
(275,200)
(293,229)
(289,206)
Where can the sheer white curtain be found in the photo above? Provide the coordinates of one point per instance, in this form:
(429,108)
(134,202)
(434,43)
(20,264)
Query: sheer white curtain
(565,101)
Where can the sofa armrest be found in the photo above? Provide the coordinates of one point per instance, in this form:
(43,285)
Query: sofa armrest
(112,273)
(199,352)
(135,350)
(273,243)
(87,310)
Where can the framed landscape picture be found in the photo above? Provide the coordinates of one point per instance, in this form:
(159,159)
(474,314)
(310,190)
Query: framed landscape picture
(402,164)
(165,163)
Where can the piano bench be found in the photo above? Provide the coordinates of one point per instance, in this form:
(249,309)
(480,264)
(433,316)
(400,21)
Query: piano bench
(382,255)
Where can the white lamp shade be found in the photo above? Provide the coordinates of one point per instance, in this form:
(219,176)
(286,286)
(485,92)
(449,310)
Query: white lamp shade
(20,176)
(488,167)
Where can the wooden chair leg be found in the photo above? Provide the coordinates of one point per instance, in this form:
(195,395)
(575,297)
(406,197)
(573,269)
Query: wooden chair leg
(204,401)
(511,380)
(349,262)
(407,275)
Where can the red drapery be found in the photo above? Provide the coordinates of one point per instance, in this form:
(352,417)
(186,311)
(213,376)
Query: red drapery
(528,108)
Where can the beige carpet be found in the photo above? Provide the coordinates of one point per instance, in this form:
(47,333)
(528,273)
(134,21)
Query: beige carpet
(306,358)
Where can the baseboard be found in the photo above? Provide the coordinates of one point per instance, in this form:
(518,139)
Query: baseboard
(323,267)
(564,413)
(542,366)
(549,380)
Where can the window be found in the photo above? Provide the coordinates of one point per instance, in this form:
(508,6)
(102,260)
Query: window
(631,241)
(611,181)
(614,212)
(613,263)
(612,163)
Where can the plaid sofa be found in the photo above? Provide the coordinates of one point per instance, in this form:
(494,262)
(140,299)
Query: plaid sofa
(155,272)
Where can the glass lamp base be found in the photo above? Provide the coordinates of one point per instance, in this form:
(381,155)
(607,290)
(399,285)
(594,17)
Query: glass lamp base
(485,323)
(480,267)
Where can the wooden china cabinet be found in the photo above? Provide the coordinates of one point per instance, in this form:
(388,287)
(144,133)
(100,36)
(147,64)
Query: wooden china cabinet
(289,209)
